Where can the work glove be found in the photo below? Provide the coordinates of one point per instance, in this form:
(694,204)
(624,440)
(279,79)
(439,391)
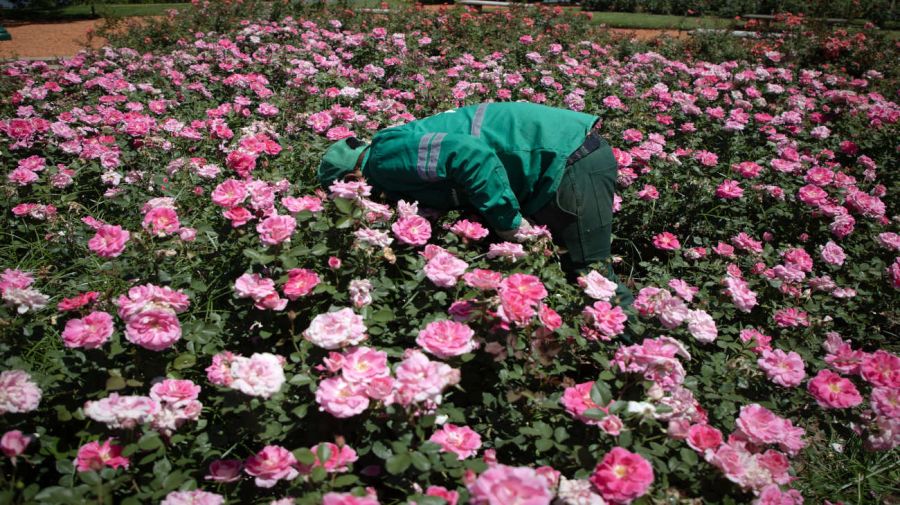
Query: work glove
(518,234)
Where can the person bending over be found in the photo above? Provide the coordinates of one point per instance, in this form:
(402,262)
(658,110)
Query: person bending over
(513,162)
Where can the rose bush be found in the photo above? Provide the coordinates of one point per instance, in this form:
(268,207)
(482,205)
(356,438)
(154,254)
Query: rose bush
(187,318)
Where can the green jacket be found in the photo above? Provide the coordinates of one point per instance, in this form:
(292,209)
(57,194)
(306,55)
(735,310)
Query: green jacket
(503,159)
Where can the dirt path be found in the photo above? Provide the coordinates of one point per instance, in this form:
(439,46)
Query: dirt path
(46,40)
(49,40)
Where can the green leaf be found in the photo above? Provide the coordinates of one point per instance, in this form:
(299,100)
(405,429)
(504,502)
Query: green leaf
(319,474)
(383,315)
(381,450)
(600,393)
(184,360)
(345,480)
(420,461)
(544,444)
(688,456)
(596,414)
(344,205)
(305,456)
(398,463)
(323,452)
(150,441)
(115,383)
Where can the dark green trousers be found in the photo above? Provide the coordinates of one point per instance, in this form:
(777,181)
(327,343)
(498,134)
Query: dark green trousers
(580,217)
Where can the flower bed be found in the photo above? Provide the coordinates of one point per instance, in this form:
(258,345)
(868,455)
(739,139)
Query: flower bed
(188,319)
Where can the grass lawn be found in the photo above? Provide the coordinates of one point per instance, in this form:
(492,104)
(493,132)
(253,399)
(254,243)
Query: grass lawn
(658,22)
(73,12)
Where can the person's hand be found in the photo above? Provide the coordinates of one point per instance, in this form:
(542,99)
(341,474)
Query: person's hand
(518,234)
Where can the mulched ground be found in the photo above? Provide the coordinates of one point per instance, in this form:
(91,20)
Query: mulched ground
(47,40)
(54,39)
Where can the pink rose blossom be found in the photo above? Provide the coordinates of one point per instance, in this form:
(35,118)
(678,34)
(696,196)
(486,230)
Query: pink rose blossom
(341,398)
(195,497)
(94,456)
(485,280)
(622,476)
(665,241)
(832,391)
(18,393)
(446,339)
(336,329)
(259,375)
(161,221)
(339,458)
(412,230)
(109,241)
(271,464)
(13,443)
(881,369)
(886,402)
(444,269)
(772,495)
(348,499)
(225,470)
(276,229)
(597,286)
(703,437)
(301,282)
(229,193)
(155,330)
(506,250)
(460,440)
(504,485)
(90,332)
(784,369)
(469,230)
(577,400)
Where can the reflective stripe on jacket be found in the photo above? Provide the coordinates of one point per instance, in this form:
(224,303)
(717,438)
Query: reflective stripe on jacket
(504,159)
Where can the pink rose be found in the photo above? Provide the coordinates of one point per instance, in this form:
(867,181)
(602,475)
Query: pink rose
(301,282)
(18,393)
(259,375)
(155,330)
(90,332)
(703,437)
(94,456)
(469,230)
(229,193)
(881,369)
(446,339)
(622,476)
(485,280)
(444,269)
(271,464)
(195,497)
(412,230)
(603,321)
(503,485)
(832,391)
(13,443)
(109,241)
(161,221)
(597,286)
(460,440)
(784,369)
(348,499)
(341,398)
(339,458)
(665,241)
(336,329)
(225,470)
(276,229)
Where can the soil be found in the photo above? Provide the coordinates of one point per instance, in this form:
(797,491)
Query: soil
(47,39)
(36,40)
